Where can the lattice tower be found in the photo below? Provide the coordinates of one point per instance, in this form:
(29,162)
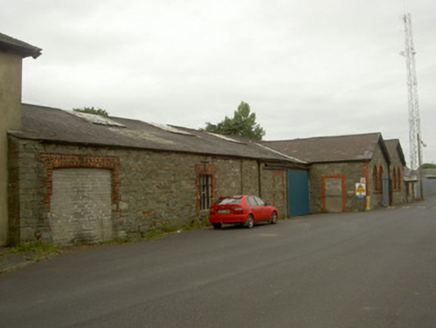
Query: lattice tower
(413,101)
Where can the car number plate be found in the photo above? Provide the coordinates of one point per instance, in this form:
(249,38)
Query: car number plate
(223,211)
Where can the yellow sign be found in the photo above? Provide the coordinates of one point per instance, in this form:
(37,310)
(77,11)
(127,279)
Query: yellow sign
(360,190)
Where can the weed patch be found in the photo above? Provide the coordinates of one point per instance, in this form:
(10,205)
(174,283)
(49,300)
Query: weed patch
(37,249)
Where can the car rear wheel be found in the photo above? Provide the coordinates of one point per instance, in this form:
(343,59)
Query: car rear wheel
(250,222)
(217,225)
(273,219)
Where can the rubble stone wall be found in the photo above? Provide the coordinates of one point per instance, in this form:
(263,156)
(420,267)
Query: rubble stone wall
(148,189)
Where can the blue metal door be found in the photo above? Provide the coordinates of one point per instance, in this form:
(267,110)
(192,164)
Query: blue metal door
(298,192)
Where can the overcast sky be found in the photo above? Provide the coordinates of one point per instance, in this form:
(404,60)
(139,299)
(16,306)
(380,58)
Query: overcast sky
(307,68)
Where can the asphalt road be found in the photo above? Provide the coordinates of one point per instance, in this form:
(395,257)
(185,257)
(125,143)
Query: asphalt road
(374,269)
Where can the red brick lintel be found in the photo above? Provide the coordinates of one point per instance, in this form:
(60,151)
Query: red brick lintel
(54,161)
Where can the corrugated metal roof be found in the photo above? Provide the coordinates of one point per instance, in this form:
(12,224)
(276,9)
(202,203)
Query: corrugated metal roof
(359,147)
(56,125)
(8,43)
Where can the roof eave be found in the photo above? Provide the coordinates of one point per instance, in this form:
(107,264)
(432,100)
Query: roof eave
(9,44)
(18,135)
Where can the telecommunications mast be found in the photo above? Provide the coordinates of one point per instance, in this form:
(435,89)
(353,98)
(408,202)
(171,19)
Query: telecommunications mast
(413,103)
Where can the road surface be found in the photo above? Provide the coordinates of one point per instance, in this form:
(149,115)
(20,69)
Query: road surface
(373,269)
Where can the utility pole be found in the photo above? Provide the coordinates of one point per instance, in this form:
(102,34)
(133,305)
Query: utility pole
(413,102)
(421,186)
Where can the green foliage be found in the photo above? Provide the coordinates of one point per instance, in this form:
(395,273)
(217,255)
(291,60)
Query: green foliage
(243,124)
(428,166)
(92,110)
(155,232)
(39,249)
(197,223)
(169,227)
(152,234)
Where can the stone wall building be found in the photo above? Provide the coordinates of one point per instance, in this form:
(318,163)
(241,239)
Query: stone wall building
(339,165)
(83,178)
(70,177)
(397,186)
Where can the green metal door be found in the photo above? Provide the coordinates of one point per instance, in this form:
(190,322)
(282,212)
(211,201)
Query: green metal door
(298,192)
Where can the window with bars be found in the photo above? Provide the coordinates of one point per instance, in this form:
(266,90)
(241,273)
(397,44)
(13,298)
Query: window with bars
(205,185)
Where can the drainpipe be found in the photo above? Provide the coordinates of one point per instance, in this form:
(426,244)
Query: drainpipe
(241,169)
(421,187)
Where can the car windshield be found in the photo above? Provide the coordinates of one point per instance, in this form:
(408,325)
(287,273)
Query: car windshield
(228,200)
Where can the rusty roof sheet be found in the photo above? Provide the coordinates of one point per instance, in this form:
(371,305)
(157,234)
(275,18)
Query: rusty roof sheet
(359,147)
(56,125)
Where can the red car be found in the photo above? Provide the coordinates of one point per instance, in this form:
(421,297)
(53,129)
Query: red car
(241,209)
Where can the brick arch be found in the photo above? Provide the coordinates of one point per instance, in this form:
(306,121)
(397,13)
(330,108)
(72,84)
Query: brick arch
(54,161)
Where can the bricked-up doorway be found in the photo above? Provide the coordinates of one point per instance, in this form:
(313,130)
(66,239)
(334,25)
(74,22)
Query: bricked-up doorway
(80,210)
(333,193)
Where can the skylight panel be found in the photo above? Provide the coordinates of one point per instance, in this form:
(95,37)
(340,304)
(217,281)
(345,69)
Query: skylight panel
(96,119)
(169,128)
(227,138)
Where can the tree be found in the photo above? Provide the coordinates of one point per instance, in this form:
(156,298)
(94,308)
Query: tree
(243,124)
(429,166)
(92,110)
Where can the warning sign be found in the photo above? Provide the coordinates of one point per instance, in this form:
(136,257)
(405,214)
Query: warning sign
(360,190)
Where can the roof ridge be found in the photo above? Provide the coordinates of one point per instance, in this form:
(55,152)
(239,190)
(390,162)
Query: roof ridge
(326,137)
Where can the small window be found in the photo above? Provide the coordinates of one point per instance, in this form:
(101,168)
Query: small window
(205,191)
(259,201)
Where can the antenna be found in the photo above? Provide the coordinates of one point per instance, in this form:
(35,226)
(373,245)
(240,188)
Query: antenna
(413,101)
